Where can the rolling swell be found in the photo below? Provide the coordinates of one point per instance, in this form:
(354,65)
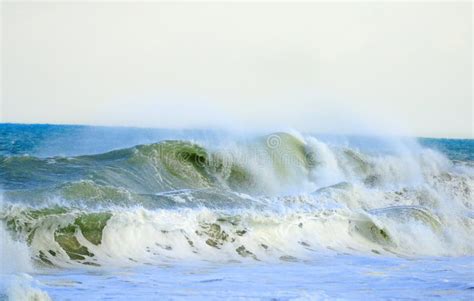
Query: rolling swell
(155,168)
(277,197)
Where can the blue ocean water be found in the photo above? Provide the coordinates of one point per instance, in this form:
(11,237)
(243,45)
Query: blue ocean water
(94,213)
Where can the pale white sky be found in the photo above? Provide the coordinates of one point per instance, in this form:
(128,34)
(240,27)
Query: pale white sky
(332,67)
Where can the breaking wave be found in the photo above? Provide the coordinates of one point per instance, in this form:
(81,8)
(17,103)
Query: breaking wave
(284,196)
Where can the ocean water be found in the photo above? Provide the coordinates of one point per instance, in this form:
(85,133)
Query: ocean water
(97,213)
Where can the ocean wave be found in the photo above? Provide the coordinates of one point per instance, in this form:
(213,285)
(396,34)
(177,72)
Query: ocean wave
(63,236)
(277,197)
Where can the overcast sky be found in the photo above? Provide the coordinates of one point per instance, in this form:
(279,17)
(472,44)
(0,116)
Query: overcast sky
(324,67)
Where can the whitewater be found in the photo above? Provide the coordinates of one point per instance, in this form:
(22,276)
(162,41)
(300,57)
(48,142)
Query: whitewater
(90,213)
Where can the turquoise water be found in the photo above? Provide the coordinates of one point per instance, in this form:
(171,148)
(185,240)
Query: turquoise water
(93,213)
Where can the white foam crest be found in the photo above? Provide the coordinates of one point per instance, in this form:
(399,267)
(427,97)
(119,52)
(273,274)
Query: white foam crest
(407,165)
(274,170)
(142,236)
(328,172)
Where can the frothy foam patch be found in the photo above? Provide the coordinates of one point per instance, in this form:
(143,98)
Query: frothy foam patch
(22,288)
(15,264)
(15,255)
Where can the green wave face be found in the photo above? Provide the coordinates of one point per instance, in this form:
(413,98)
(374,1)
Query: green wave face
(126,174)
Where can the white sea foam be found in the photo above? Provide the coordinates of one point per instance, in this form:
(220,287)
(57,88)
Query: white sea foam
(15,255)
(15,263)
